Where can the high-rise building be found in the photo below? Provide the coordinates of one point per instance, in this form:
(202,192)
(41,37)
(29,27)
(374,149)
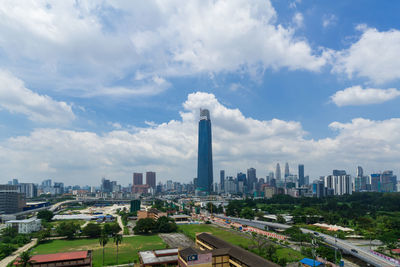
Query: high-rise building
(28,189)
(388,181)
(301,175)
(376,182)
(287,172)
(106,185)
(359,172)
(340,184)
(137,178)
(278,172)
(15,182)
(151,179)
(204,159)
(222,179)
(11,200)
(251,179)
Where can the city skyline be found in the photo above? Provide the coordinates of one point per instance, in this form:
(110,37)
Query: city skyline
(83,97)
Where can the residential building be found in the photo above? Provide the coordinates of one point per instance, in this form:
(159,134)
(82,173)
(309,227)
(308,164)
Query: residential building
(204,159)
(28,189)
(151,179)
(25,226)
(137,178)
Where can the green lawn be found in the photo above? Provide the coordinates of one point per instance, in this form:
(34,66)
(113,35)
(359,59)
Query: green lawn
(236,239)
(57,222)
(128,249)
(227,235)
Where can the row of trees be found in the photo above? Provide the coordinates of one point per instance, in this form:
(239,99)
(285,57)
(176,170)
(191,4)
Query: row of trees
(161,225)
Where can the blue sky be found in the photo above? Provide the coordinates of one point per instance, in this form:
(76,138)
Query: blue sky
(106,88)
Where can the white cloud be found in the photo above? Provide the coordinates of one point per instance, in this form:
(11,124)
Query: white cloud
(357,96)
(16,98)
(298,20)
(374,56)
(329,20)
(170,148)
(84,45)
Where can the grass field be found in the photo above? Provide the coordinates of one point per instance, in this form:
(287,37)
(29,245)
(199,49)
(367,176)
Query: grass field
(128,249)
(236,239)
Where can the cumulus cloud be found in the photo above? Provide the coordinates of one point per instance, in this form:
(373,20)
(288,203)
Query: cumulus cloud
(170,148)
(84,45)
(374,56)
(357,96)
(298,20)
(329,20)
(16,98)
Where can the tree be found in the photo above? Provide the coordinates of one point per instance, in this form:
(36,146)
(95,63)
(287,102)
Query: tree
(6,250)
(24,259)
(10,232)
(247,213)
(67,229)
(92,230)
(165,225)
(42,235)
(280,219)
(144,226)
(117,241)
(103,240)
(259,241)
(45,215)
(270,250)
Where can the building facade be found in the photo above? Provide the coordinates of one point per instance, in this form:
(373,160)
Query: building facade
(25,226)
(151,179)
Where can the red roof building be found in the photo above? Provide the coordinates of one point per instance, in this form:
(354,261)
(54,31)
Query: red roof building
(75,258)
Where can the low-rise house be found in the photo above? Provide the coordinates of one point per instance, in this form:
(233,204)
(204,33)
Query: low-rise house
(65,259)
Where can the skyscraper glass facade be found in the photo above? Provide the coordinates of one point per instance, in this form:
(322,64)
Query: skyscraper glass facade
(204,160)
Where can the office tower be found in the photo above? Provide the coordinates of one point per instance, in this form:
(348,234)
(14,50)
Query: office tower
(287,173)
(278,172)
(359,172)
(28,189)
(357,183)
(15,181)
(251,179)
(318,189)
(46,183)
(151,179)
(58,188)
(301,175)
(106,185)
(388,181)
(204,159)
(11,201)
(222,179)
(137,178)
(376,182)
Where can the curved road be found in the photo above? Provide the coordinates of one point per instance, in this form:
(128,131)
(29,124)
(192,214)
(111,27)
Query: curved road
(361,253)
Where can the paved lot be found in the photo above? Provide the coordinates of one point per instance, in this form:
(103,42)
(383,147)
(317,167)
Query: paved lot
(177,240)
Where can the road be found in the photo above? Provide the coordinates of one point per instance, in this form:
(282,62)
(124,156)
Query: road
(4,262)
(361,253)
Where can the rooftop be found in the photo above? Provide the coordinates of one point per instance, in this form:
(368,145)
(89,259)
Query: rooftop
(238,253)
(156,257)
(23,221)
(64,256)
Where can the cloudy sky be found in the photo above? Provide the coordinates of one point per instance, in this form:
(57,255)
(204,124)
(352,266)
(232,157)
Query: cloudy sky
(106,88)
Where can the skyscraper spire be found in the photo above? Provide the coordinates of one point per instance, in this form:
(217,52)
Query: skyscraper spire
(204,159)
(287,173)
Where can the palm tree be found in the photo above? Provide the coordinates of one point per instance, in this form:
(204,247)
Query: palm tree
(117,241)
(25,259)
(103,240)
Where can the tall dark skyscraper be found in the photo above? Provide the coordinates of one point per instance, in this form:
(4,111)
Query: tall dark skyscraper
(137,178)
(222,179)
(204,159)
(301,175)
(287,172)
(251,178)
(151,179)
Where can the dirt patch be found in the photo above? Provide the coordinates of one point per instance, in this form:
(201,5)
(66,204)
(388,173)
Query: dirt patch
(177,240)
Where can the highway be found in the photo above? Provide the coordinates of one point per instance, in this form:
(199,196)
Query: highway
(358,252)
